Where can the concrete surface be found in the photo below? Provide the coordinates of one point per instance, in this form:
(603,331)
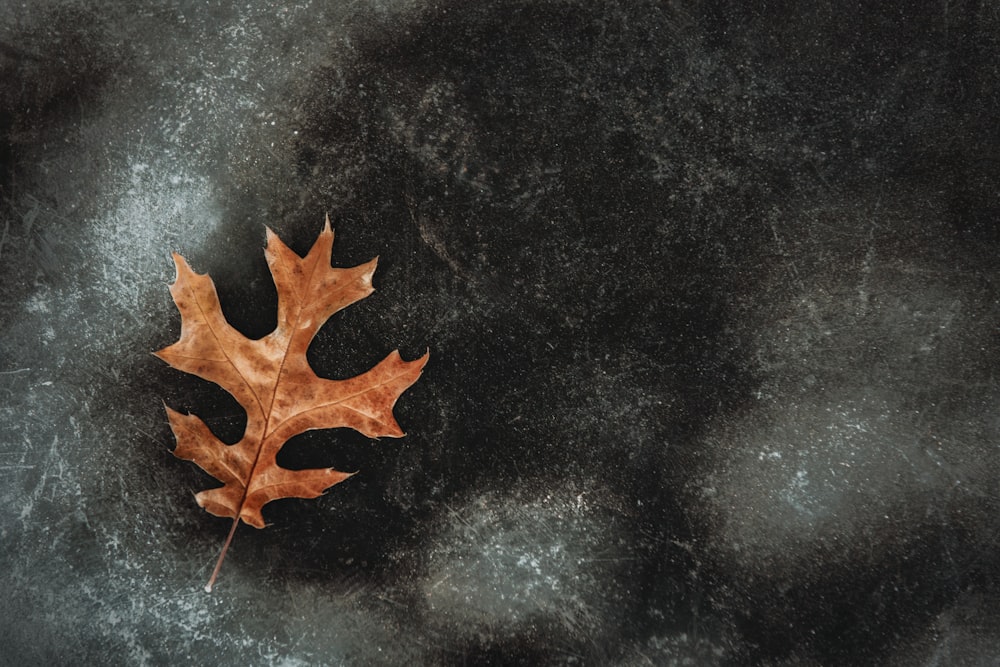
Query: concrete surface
(710,291)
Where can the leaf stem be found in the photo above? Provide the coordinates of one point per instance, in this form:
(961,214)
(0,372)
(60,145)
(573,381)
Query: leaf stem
(222,556)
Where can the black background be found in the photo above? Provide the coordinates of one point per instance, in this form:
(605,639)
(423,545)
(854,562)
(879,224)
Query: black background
(710,293)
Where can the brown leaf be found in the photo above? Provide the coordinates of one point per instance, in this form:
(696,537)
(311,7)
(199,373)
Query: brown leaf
(272,380)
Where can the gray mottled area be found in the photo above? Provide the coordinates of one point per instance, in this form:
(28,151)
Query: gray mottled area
(711,294)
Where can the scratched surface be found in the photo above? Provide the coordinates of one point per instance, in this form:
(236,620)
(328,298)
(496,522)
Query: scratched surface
(711,295)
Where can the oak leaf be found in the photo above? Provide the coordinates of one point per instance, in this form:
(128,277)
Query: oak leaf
(272,380)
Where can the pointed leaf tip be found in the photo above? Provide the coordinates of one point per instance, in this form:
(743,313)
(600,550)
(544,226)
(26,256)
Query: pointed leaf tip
(180,265)
(327,230)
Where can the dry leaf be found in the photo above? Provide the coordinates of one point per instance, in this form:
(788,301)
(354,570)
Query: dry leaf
(272,380)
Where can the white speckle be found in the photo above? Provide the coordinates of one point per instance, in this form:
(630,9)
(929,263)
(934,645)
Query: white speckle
(501,561)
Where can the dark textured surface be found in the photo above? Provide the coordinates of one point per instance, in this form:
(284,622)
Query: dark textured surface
(710,292)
